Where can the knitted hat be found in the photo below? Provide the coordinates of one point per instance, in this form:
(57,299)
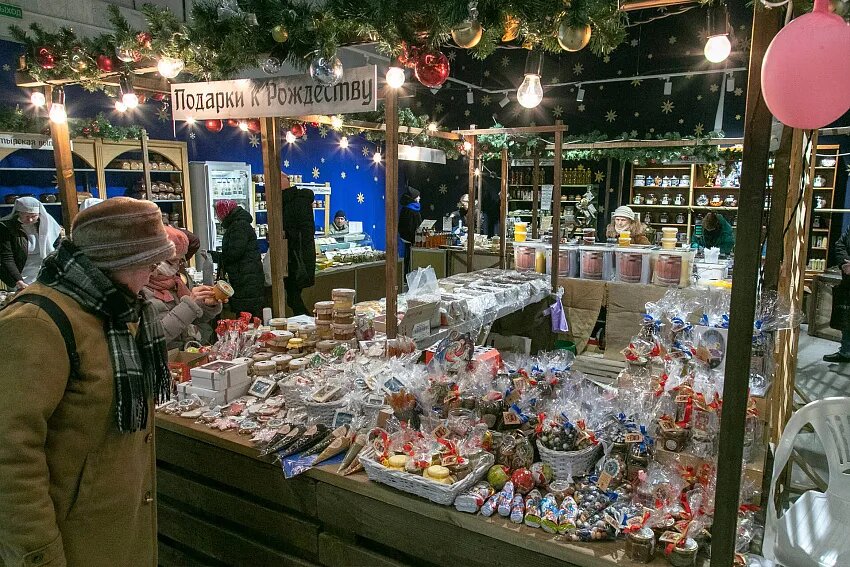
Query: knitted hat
(340,214)
(624,212)
(224,208)
(179,239)
(122,233)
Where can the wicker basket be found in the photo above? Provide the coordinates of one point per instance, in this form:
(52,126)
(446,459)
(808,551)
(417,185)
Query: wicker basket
(292,395)
(435,492)
(322,413)
(566,463)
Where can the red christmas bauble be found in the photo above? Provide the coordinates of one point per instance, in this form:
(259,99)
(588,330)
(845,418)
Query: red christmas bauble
(158,96)
(45,58)
(253,125)
(214,125)
(142,97)
(86,131)
(105,63)
(432,69)
(144,39)
(298,130)
(232,122)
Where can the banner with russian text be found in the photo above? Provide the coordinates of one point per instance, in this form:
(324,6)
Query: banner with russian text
(296,95)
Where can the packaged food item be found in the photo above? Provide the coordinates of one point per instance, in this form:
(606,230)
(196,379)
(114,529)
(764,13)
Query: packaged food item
(640,545)
(323,310)
(343,298)
(532,509)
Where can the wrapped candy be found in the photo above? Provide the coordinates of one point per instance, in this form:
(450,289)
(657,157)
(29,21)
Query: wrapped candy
(549,514)
(567,514)
(491,505)
(473,499)
(532,509)
(506,497)
(517,509)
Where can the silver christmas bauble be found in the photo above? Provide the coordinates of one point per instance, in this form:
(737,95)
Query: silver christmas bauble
(326,71)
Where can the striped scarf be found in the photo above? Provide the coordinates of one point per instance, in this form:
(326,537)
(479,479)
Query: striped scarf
(140,364)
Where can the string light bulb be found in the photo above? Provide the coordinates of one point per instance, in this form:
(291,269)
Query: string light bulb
(717,47)
(336,122)
(343,142)
(395,77)
(243,125)
(190,120)
(290,138)
(120,106)
(377,157)
(37,99)
(530,92)
(128,95)
(169,67)
(58,114)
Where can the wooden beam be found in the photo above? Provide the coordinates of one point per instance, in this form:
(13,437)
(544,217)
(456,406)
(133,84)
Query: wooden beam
(471,212)
(742,306)
(62,156)
(786,180)
(155,84)
(503,211)
(278,245)
(631,5)
(146,164)
(535,197)
(391,209)
(556,208)
(619,144)
(379,127)
(512,131)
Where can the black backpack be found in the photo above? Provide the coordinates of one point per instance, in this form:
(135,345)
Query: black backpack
(62,323)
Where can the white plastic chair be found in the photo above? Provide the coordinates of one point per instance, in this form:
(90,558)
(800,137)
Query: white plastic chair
(816,528)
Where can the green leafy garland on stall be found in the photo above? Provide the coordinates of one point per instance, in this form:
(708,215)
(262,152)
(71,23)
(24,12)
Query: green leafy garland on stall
(13,119)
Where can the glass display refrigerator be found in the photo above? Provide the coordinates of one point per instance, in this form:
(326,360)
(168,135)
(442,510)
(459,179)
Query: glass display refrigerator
(213,181)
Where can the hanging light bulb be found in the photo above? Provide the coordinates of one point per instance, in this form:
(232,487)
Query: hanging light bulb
(395,77)
(169,67)
(190,120)
(467,145)
(432,127)
(128,95)
(243,125)
(477,171)
(58,114)
(343,142)
(530,92)
(336,122)
(377,157)
(37,98)
(290,138)
(718,47)
(120,106)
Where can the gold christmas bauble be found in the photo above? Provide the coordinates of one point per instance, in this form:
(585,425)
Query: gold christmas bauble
(467,34)
(280,34)
(511,28)
(573,38)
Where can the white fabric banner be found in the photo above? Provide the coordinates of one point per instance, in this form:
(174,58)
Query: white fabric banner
(296,95)
(28,141)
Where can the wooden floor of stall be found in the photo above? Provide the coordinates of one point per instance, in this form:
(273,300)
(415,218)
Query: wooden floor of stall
(221,504)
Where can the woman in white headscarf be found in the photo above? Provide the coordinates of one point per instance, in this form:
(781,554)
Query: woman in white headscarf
(27,236)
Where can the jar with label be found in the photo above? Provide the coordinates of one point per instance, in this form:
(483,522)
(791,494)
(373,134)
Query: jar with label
(295,345)
(665,199)
(674,439)
(344,332)
(638,200)
(679,199)
(324,310)
(664,218)
(684,555)
(640,546)
(651,199)
(343,298)
(680,218)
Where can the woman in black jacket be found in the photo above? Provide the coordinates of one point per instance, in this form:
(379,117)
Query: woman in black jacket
(840,318)
(240,258)
(299,227)
(409,220)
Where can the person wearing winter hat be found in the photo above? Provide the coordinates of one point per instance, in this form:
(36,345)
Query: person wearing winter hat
(299,226)
(409,219)
(624,218)
(84,361)
(27,236)
(183,309)
(340,223)
(239,259)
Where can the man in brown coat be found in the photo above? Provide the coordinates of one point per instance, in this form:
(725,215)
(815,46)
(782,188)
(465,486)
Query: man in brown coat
(76,428)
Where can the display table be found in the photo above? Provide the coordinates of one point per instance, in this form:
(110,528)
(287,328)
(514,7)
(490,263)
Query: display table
(367,279)
(219,502)
(450,260)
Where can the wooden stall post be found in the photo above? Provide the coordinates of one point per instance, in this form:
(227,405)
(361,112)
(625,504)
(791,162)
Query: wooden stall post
(278,250)
(535,196)
(391,208)
(503,211)
(743,301)
(556,206)
(470,213)
(61,136)
(786,180)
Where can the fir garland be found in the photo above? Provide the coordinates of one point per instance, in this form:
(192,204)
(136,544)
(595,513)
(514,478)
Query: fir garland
(13,119)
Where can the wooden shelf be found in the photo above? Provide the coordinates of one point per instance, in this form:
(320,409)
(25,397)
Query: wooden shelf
(710,208)
(53,169)
(577,185)
(661,206)
(654,187)
(139,171)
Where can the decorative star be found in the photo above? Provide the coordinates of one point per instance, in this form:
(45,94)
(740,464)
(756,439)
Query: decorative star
(601,87)
(466,112)
(714,87)
(581,107)
(438,108)
(689,76)
(485,100)
(698,129)
(636,82)
(342,175)
(555,80)
(357,166)
(162,113)
(739,91)
(451,55)
(323,131)
(606,59)
(667,106)
(619,71)
(578,69)
(557,111)
(652,130)
(737,117)
(610,116)
(286,163)
(599,177)
(418,104)
(7,67)
(487,72)
(443,189)
(699,97)
(637,114)
(633,134)
(532,124)
(360,197)
(254,140)
(650,56)
(634,43)
(322,160)
(192,135)
(505,61)
(672,40)
(681,120)
(315,173)
(365,151)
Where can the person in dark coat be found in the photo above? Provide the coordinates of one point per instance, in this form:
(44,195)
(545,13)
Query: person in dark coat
(239,258)
(299,226)
(409,220)
(27,237)
(716,233)
(840,318)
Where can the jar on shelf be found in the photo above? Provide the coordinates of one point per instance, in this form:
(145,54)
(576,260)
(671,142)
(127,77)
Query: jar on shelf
(702,200)
(680,218)
(638,199)
(679,200)
(651,199)
(665,199)
(664,218)
(716,201)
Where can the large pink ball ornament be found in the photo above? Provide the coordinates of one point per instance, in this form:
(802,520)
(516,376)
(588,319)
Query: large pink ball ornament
(806,72)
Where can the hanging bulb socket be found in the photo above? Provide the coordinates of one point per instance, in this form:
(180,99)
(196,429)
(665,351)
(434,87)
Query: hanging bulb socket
(717,47)
(530,92)
(38,99)
(128,94)
(58,114)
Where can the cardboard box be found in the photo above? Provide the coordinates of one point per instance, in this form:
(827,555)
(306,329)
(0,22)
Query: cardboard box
(212,397)
(220,375)
(183,362)
(416,322)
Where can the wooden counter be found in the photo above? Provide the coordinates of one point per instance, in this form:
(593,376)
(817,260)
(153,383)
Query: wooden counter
(366,278)
(219,503)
